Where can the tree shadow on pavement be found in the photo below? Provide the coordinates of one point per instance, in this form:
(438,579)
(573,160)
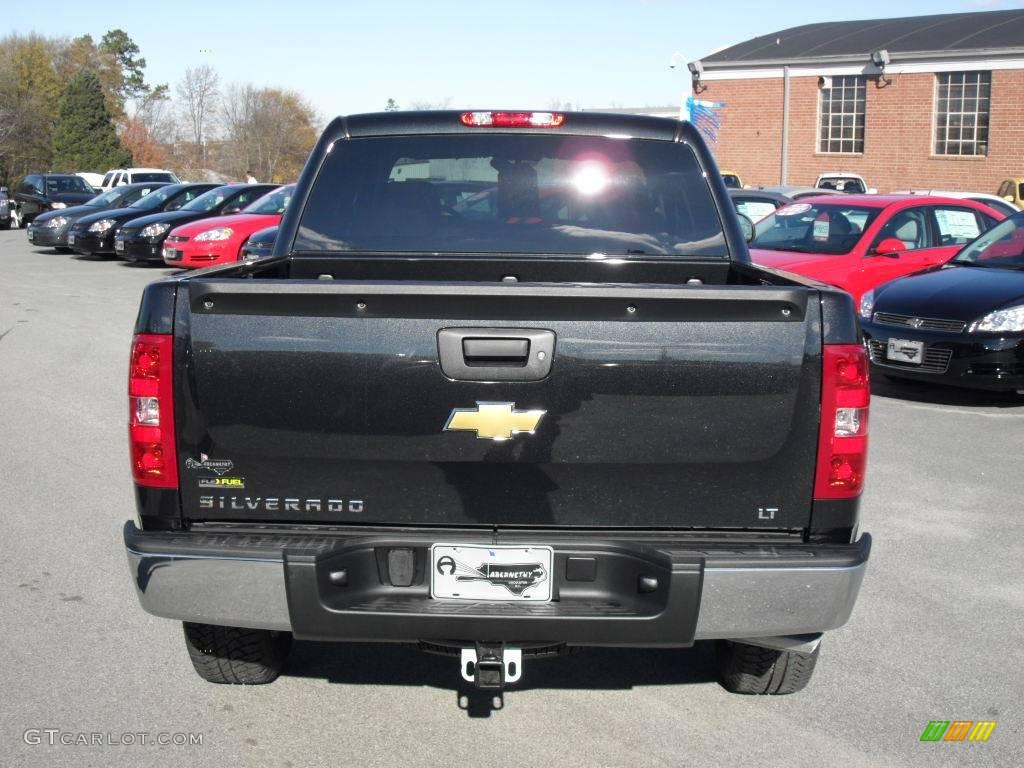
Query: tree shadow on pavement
(585,668)
(939,394)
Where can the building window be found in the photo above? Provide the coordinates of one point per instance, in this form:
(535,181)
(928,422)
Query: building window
(961,112)
(842,114)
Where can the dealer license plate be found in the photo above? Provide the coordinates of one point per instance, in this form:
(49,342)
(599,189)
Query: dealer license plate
(71,239)
(500,573)
(119,245)
(905,351)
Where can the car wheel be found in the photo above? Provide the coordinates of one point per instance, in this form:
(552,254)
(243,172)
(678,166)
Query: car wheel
(235,655)
(756,671)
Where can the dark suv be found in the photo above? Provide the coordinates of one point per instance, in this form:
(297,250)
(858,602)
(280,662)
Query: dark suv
(41,192)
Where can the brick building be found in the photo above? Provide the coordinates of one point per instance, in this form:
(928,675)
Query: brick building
(910,103)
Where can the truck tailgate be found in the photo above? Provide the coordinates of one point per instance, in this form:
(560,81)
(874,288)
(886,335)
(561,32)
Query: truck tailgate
(664,407)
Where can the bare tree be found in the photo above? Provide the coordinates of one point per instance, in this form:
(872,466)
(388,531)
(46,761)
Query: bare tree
(198,90)
(444,103)
(267,130)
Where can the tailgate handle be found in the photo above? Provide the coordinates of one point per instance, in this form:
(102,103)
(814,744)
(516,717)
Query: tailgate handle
(495,351)
(495,354)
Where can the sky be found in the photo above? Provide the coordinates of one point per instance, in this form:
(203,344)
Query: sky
(348,57)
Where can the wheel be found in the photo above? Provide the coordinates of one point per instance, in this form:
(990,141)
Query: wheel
(236,655)
(755,671)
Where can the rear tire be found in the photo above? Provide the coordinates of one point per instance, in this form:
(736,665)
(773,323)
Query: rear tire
(235,655)
(756,671)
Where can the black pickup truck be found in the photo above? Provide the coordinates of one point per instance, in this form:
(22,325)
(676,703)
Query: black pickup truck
(507,385)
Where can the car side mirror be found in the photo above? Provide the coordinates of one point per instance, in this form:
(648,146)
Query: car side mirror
(891,247)
(747,225)
(231,209)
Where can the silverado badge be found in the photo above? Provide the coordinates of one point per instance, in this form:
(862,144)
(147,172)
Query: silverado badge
(493,421)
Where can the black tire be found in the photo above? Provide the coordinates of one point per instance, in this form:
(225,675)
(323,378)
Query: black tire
(757,671)
(235,655)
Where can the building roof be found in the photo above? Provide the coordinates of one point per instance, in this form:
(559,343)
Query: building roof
(949,34)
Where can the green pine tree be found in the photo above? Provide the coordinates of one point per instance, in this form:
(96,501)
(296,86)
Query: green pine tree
(84,138)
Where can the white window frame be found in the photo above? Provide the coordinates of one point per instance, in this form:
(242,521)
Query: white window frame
(976,143)
(835,128)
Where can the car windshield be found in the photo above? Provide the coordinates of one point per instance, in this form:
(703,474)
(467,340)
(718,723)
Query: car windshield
(273,203)
(121,196)
(754,208)
(209,200)
(156,198)
(1001,246)
(502,193)
(843,184)
(56,185)
(155,176)
(824,228)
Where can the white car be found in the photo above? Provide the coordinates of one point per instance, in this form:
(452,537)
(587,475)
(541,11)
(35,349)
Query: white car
(119,176)
(995,202)
(94,180)
(844,181)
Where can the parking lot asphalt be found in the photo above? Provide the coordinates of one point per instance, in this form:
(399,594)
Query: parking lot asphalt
(936,634)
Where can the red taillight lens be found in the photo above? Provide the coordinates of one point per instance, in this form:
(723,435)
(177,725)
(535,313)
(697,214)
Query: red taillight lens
(151,412)
(843,438)
(512,119)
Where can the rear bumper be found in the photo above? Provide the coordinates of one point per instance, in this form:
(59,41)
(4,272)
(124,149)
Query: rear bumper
(291,583)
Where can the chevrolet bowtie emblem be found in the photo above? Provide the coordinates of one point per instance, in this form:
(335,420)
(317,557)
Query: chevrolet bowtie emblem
(493,421)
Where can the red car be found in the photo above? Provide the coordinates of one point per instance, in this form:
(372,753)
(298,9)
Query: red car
(857,242)
(219,240)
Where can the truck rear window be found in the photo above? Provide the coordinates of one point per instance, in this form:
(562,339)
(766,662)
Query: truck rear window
(501,193)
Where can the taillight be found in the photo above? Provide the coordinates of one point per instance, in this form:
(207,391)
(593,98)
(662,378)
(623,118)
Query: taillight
(151,411)
(512,119)
(843,439)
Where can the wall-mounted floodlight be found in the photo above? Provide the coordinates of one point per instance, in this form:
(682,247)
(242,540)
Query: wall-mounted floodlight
(880,59)
(696,73)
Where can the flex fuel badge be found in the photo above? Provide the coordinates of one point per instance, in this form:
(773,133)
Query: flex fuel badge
(222,482)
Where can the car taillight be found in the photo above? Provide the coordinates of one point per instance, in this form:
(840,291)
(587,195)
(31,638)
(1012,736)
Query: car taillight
(843,439)
(151,411)
(512,119)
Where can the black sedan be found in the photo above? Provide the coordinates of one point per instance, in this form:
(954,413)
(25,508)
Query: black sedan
(960,324)
(143,239)
(260,244)
(95,233)
(51,228)
(755,204)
